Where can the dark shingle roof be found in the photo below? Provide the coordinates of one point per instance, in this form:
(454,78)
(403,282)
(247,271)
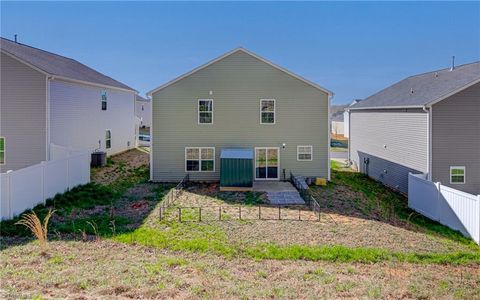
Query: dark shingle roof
(426,88)
(58,65)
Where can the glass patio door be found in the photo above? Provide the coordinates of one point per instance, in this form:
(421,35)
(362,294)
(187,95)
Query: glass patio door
(266,163)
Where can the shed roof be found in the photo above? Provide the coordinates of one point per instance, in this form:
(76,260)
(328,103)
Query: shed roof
(237,153)
(423,89)
(57,65)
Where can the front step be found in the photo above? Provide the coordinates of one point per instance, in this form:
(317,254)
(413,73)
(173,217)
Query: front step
(285,198)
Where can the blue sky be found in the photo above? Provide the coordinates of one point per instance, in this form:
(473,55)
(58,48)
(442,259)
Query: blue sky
(353,49)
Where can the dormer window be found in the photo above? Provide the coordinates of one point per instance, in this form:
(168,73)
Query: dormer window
(104,100)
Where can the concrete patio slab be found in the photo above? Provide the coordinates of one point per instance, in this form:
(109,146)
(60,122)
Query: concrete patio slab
(279,193)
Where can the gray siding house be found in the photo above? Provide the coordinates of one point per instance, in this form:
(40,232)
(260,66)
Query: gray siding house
(427,123)
(49,99)
(239,100)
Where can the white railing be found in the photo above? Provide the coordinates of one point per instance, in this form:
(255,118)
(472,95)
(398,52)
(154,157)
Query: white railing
(453,208)
(25,188)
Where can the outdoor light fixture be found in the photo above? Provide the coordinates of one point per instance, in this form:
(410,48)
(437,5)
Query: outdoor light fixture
(284,145)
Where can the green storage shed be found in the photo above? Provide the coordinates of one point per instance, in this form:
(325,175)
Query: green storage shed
(236,170)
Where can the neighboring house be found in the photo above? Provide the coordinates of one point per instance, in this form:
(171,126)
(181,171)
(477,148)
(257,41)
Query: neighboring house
(51,99)
(427,123)
(239,100)
(337,124)
(346,118)
(143,110)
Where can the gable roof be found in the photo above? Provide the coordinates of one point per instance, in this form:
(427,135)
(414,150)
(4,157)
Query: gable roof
(423,89)
(240,49)
(57,66)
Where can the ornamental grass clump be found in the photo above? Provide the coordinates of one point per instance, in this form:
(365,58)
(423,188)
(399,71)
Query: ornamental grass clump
(32,222)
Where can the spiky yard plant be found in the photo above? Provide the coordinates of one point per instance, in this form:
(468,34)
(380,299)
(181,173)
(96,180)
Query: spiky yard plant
(32,222)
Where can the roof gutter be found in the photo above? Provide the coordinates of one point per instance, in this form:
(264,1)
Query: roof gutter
(93,84)
(386,107)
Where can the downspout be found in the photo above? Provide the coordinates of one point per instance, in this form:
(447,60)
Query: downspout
(429,141)
(349,138)
(151,137)
(47,117)
(329,136)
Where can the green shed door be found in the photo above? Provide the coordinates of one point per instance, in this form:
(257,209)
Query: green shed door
(236,172)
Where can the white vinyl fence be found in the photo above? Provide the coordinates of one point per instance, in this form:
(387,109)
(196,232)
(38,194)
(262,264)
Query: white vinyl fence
(25,188)
(453,208)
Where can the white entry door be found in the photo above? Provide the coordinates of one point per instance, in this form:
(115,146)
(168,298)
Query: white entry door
(267,163)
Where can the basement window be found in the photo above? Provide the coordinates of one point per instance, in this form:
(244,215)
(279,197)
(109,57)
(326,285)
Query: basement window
(267,111)
(2,150)
(104,100)
(457,175)
(108,139)
(205,111)
(304,153)
(200,159)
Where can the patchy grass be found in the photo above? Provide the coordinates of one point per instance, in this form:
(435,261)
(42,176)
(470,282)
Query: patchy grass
(91,208)
(106,269)
(361,196)
(360,248)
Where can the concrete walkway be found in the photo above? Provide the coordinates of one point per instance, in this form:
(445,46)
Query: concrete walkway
(279,193)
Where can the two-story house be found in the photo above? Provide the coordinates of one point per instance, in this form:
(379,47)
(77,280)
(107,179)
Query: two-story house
(427,123)
(239,101)
(50,99)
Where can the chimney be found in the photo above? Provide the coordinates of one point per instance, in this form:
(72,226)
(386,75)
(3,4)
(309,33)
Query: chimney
(15,38)
(453,63)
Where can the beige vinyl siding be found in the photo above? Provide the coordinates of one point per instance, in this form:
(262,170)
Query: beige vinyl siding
(23,114)
(395,141)
(237,83)
(456,138)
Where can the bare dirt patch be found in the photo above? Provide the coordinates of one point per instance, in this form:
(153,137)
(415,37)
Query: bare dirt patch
(119,165)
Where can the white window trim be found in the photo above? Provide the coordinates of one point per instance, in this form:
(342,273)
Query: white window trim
(199,159)
(464,174)
(198,111)
(106,139)
(274,111)
(255,164)
(311,152)
(106,100)
(4,151)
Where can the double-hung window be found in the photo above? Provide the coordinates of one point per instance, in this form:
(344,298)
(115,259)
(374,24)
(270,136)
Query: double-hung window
(205,111)
(457,175)
(108,139)
(104,100)
(200,159)
(267,111)
(304,153)
(2,150)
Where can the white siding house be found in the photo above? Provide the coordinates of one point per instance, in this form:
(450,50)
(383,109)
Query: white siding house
(143,110)
(77,119)
(50,99)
